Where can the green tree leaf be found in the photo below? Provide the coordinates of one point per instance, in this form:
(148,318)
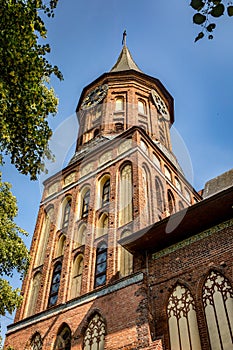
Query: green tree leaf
(230,10)
(211,27)
(200,36)
(197,4)
(198,18)
(217,10)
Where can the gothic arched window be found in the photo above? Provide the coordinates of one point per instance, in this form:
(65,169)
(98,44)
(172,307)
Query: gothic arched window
(44,237)
(60,245)
(182,320)
(66,214)
(159,195)
(101,264)
(126,195)
(33,294)
(126,259)
(55,283)
(77,276)
(171,202)
(102,227)
(218,305)
(95,334)
(80,236)
(36,342)
(63,340)
(106,192)
(85,203)
(145,185)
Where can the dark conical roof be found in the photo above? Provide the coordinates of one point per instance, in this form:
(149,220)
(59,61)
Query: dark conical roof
(125,61)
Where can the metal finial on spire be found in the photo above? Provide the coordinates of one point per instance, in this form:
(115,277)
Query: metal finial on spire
(124,38)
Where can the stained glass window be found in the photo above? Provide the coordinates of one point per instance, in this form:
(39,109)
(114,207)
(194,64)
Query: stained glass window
(101,265)
(53,295)
(95,334)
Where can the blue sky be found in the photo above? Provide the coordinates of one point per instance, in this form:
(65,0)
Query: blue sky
(85,38)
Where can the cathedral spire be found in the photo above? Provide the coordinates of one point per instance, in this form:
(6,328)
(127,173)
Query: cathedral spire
(125,60)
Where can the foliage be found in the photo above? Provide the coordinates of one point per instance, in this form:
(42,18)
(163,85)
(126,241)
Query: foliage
(14,255)
(26,98)
(207,11)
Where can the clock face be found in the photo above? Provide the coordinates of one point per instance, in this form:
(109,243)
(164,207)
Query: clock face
(160,104)
(95,96)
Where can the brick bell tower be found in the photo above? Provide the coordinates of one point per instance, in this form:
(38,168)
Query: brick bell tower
(122,178)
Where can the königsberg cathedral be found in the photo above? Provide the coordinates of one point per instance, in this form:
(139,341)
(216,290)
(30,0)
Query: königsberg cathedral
(125,253)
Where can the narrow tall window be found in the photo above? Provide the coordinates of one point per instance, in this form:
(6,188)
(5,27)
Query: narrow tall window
(101,265)
(159,195)
(126,195)
(33,294)
(119,104)
(218,304)
(63,340)
(44,237)
(80,236)
(171,202)
(102,227)
(66,214)
(146,200)
(95,334)
(77,276)
(60,245)
(54,289)
(85,205)
(106,192)
(36,342)
(141,107)
(182,320)
(126,259)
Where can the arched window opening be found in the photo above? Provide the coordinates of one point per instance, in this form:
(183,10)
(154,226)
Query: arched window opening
(218,305)
(66,214)
(177,184)
(156,160)
(181,205)
(141,107)
(77,276)
(85,204)
(44,237)
(146,196)
(119,104)
(171,202)
(60,245)
(33,294)
(63,340)
(80,237)
(101,265)
(106,192)
(159,195)
(126,195)
(182,320)
(36,342)
(95,334)
(102,225)
(55,283)
(187,195)
(126,259)
(167,173)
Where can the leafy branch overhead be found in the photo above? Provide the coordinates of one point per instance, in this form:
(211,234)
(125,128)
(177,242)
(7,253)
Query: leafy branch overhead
(26,97)
(207,11)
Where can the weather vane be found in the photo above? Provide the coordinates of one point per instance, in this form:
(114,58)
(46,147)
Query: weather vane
(124,38)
